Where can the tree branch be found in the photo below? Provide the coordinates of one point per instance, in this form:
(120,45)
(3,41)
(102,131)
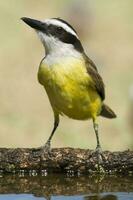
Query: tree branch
(64,160)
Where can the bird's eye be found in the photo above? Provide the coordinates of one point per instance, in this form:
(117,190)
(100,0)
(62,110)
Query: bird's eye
(59,29)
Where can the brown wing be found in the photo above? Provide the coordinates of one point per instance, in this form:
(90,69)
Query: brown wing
(90,62)
(98,82)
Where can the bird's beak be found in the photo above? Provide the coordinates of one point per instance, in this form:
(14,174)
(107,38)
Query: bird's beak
(36,24)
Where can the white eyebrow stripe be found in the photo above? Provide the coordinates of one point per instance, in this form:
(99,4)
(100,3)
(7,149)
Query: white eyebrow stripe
(59,23)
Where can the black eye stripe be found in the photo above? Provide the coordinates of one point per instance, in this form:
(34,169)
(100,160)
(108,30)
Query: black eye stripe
(63,21)
(64,36)
(59,29)
(53,29)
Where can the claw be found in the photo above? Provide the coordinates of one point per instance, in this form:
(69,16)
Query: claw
(100,159)
(99,154)
(40,151)
(46,148)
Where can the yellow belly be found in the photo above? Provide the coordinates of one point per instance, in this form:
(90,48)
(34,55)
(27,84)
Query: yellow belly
(70,89)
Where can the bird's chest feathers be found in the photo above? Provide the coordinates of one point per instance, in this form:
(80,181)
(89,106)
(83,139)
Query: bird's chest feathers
(62,75)
(66,83)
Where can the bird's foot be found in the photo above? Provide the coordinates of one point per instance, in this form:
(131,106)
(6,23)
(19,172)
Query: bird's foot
(45,149)
(98,156)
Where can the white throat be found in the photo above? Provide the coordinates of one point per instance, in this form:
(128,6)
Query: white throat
(56,49)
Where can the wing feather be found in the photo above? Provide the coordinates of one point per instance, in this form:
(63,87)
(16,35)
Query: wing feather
(97,79)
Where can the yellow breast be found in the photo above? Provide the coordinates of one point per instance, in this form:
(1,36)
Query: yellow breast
(70,89)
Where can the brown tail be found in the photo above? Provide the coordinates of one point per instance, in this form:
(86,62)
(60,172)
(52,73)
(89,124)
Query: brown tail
(107,112)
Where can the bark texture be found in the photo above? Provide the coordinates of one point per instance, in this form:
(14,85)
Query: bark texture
(64,160)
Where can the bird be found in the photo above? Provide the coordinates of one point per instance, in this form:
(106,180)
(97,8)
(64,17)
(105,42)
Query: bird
(71,79)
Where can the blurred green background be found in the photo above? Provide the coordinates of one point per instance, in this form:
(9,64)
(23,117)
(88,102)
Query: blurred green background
(106,31)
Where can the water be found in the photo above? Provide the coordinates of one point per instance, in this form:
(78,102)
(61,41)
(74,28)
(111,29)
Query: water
(61,187)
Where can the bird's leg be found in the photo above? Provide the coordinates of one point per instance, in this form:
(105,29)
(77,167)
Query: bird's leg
(98,150)
(47,146)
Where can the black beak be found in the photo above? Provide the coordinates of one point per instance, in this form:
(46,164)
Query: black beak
(36,24)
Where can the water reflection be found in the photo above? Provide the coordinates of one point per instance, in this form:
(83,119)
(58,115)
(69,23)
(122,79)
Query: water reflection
(106,197)
(54,187)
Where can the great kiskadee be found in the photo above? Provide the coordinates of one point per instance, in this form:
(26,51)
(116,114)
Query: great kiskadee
(70,78)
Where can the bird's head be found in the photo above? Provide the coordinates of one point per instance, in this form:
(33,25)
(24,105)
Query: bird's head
(56,35)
